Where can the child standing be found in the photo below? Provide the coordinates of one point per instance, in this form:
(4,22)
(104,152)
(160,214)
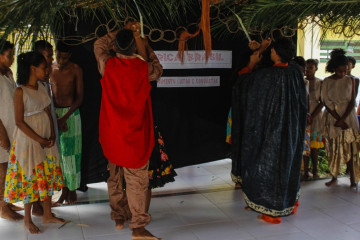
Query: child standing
(67,84)
(341,127)
(316,106)
(7,124)
(33,170)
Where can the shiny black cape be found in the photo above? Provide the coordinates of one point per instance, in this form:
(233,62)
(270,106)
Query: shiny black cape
(269,119)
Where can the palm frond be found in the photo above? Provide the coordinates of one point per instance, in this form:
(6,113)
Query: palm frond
(265,15)
(32,17)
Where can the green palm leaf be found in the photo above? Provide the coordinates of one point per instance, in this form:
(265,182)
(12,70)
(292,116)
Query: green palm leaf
(32,17)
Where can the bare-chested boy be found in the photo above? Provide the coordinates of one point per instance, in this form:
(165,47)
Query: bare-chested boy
(67,85)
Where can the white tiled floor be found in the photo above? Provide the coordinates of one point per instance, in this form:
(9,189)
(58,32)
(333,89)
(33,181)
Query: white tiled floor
(202,205)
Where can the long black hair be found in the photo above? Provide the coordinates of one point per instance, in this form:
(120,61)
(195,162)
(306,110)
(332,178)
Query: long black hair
(24,62)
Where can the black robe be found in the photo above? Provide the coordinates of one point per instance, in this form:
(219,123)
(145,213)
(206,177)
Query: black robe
(269,119)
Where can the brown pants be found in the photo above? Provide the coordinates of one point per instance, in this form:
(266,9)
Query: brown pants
(3,169)
(129,203)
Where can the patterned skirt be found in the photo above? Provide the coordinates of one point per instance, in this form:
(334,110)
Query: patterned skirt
(317,140)
(306,151)
(70,149)
(228,128)
(41,184)
(161,170)
(341,150)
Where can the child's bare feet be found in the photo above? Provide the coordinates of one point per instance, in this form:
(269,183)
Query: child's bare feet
(31,227)
(64,195)
(53,219)
(37,209)
(7,213)
(119,224)
(331,182)
(72,197)
(143,234)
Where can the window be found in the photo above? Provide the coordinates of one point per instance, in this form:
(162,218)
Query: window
(352,48)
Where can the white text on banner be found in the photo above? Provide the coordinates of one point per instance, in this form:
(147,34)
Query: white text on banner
(195,59)
(194,81)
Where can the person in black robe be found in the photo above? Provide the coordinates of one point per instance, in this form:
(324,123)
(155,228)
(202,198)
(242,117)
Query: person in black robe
(269,119)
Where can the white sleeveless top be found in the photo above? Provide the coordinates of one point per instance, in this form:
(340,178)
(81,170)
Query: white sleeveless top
(29,152)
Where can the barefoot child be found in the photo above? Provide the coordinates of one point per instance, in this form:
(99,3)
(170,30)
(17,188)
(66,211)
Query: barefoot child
(7,124)
(341,127)
(315,111)
(46,49)
(34,171)
(67,82)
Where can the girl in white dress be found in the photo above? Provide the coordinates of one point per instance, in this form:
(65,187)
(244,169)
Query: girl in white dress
(33,170)
(340,124)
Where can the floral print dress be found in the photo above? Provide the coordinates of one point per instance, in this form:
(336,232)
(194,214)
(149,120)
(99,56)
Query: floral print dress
(161,170)
(33,172)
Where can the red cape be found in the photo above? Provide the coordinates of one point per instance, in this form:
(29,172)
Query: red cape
(126,131)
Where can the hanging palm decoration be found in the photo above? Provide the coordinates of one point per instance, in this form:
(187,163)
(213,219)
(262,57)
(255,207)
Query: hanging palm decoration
(220,18)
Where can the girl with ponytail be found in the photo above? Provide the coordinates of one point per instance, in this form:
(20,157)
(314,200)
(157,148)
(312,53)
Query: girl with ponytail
(33,171)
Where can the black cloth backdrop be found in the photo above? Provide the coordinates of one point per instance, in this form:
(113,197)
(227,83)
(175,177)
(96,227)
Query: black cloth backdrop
(192,120)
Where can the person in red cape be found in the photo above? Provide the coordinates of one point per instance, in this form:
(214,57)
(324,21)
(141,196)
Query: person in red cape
(126,127)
